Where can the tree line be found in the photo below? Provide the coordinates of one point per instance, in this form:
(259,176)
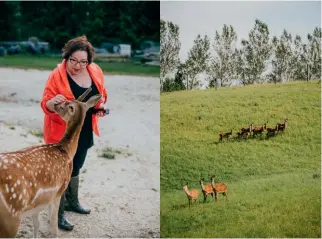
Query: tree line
(258,59)
(56,21)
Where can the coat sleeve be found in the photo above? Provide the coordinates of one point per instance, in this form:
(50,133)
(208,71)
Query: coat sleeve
(104,92)
(49,92)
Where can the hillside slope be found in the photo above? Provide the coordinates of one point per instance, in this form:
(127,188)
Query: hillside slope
(274,185)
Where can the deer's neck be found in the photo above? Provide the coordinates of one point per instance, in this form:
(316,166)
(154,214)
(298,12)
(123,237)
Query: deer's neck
(187,191)
(69,142)
(213,182)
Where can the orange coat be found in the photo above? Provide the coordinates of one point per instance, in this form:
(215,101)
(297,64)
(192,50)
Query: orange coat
(57,83)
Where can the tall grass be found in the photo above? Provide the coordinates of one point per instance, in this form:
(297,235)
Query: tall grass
(274,185)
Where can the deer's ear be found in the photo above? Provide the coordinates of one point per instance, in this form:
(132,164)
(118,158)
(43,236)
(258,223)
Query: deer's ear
(71,109)
(93,101)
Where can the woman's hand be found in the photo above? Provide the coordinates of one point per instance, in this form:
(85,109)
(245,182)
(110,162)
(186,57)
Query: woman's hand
(58,99)
(101,113)
(53,101)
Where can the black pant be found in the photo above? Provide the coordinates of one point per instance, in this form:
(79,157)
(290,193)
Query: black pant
(79,160)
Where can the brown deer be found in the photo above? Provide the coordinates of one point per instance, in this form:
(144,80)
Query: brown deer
(243,134)
(225,135)
(35,177)
(272,131)
(249,129)
(259,130)
(206,189)
(192,194)
(218,187)
(282,127)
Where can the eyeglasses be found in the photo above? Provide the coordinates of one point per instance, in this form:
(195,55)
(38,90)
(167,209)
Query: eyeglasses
(74,62)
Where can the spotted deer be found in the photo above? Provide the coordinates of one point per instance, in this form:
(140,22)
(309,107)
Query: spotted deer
(192,194)
(218,187)
(206,189)
(34,178)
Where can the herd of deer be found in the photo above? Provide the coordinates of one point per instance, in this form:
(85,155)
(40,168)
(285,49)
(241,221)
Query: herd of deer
(206,189)
(34,178)
(255,130)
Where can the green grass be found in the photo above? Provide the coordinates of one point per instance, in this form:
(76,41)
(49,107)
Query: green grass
(274,185)
(50,62)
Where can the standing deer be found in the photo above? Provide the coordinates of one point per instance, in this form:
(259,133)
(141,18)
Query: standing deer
(218,187)
(272,131)
(249,129)
(206,189)
(192,194)
(225,135)
(35,177)
(282,127)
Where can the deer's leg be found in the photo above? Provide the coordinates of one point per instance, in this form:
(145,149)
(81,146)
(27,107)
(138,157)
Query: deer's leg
(204,197)
(36,223)
(9,226)
(54,217)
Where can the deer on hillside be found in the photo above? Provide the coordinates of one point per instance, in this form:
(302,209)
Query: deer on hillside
(206,189)
(225,135)
(192,194)
(282,127)
(249,129)
(272,131)
(35,177)
(218,187)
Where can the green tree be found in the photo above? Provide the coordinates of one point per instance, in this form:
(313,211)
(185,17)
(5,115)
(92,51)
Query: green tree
(282,61)
(254,54)
(169,48)
(197,61)
(222,64)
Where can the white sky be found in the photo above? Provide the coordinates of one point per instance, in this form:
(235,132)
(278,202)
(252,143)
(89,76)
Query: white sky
(205,17)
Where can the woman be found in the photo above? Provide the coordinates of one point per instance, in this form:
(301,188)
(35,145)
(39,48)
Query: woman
(70,79)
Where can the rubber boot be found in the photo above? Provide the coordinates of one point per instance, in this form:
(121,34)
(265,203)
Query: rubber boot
(63,223)
(72,202)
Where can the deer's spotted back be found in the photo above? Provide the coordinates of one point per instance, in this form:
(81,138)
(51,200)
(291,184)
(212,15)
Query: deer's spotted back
(31,176)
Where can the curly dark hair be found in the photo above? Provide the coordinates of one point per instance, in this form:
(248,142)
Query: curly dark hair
(79,44)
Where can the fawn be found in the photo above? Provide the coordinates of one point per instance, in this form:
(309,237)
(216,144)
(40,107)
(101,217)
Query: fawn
(35,177)
(218,187)
(206,189)
(192,194)
(225,135)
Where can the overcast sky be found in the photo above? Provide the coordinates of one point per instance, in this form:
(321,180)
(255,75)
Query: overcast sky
(193,18)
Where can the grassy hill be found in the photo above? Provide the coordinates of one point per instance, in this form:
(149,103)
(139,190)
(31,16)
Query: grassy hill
(274,185)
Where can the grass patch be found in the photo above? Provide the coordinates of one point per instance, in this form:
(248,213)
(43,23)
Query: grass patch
(37,132)
(44,62)
(110,153)
(273,184)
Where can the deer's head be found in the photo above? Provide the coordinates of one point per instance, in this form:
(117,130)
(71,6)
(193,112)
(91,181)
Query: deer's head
(75,109)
